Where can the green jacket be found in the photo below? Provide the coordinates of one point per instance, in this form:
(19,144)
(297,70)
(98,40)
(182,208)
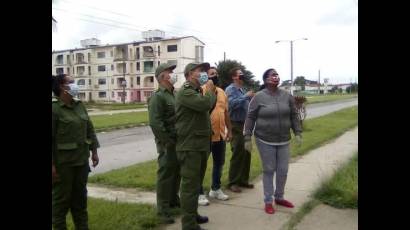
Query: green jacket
(161,111)
(192,118)
(72,133)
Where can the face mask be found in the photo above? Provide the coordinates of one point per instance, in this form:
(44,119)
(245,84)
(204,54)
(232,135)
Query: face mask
(203,78)
(173,78)
(73,91)
(214,80)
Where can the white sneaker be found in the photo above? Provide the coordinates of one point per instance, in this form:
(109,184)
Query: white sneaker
(202,200)
(218,194)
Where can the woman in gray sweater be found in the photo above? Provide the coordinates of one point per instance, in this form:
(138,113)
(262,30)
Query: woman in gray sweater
(271,115)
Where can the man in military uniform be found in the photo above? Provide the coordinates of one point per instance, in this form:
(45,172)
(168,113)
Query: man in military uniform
(161,109)
(73,138)
(193,132)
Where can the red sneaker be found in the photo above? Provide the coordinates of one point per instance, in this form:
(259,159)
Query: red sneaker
(269,209)
(284,203)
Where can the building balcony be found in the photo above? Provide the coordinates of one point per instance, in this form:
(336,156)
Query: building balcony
(81,62)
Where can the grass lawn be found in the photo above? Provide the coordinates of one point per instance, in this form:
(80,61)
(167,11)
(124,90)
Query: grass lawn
(311,99)
(132,119)
(317,132)
(114,106)
(109,215)
(120,120)
(342,189)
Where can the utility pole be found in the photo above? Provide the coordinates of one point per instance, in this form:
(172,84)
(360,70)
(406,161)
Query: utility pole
(319,83)
(224,56)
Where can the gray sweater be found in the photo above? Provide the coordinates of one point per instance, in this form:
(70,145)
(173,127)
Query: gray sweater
(274,115)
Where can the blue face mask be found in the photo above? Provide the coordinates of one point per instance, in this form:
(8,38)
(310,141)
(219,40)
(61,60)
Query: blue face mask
(73,91)
(203,78)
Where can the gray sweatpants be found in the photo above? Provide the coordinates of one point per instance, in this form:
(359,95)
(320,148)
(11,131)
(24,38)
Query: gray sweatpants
(275,158)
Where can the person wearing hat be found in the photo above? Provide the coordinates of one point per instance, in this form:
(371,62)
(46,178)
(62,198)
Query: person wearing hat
(161,110)
(238,101)
(271,115)
(193,131)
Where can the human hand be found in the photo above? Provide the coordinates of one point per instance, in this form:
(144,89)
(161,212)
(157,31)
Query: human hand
(94,158)
(298,139)
(250,94)
(248,143)
(210,86)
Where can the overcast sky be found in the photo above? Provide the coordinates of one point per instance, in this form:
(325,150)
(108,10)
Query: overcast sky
(245,30)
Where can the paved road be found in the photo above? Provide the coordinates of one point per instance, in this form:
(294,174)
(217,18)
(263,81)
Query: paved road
(125,147)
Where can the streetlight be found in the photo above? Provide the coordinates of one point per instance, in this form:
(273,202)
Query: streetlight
(291,60)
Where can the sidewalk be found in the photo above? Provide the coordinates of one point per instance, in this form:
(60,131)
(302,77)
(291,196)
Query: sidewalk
(329,218)
(245,210)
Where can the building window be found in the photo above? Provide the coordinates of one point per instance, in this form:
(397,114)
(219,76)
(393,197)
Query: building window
(89,81)
(172,48)
(101,55)
(112,67)
(81,82)
(102,94)
(111,53)
(68,71)
(199,53)
(148,66)
(89,70)
(172,62)
(138,53)
(73,71)
(151,79)
(81,96)
(101,68)
(147,94)
(138,80)
(159,51)
(119,94)
(138,66)
(112,94)
(101,81)
(89,57)
(112,81)
(60,60)
(59,70)
(159,63)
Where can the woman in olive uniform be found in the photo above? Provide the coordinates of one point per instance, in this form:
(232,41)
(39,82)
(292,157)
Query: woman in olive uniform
(73,138)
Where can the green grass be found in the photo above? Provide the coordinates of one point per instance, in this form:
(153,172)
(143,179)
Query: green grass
(342,189)
(317,132)
(109,215)
(298,216)
(120,120)
(114,106)
(132,119)
(311,99)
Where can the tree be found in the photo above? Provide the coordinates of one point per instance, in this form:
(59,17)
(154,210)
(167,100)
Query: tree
(354,88)
(300,81)
(224,68)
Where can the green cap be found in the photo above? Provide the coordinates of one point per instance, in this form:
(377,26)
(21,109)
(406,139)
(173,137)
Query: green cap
(161,68)
(192,66)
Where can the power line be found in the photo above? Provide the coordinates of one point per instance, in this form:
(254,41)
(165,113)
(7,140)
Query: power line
(125,15)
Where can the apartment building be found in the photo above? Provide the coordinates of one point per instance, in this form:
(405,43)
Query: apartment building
(113,73)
